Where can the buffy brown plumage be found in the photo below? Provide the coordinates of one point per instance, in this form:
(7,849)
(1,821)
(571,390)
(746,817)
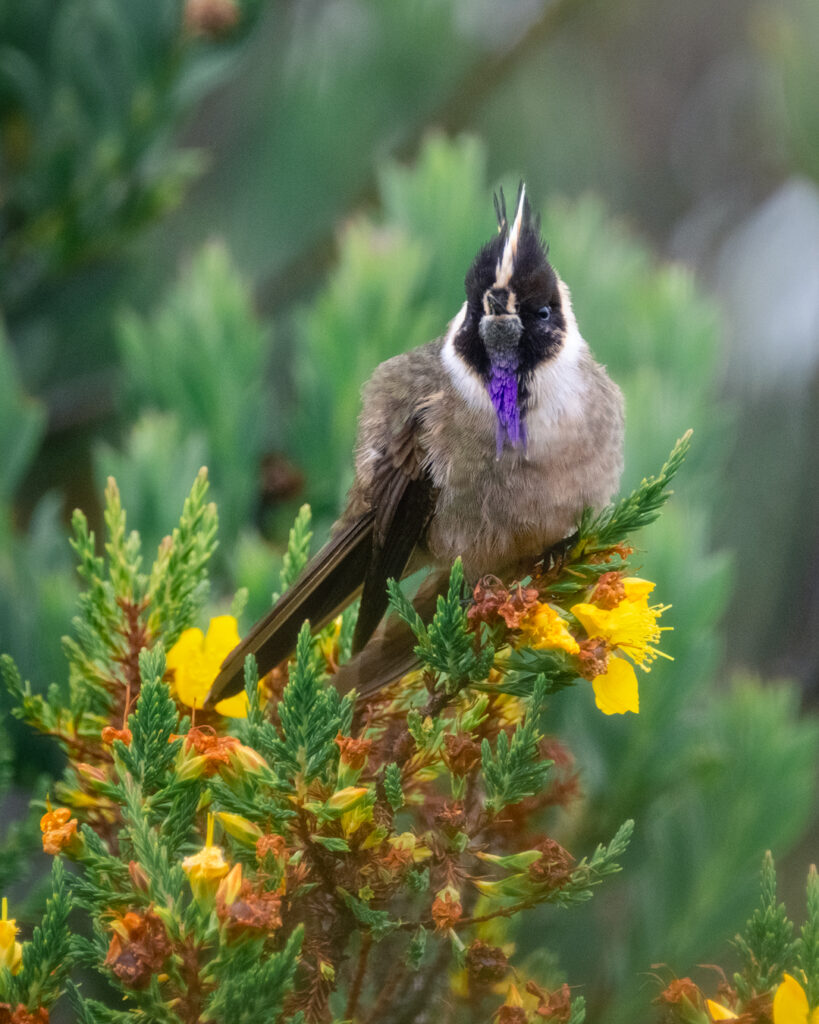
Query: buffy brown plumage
(486,444)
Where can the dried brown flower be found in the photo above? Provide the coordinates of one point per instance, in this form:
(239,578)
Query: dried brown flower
(593,657)
(489,594)
(609,591)
(486,964)
(677,990)
(353,752)
(451,817)
(555,865)
(270,845)
(492,601)
(555,1006)
(511,1015)
(251,911)
(461,753)
(138,948)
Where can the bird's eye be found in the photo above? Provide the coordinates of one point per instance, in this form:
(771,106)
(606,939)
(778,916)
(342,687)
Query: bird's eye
(545,313)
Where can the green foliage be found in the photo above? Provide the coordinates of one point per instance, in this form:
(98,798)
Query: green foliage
(447,645)
(310,846)
(392,786)
(46,959)
(298,550)
(201,360)
(153,469)
(603,862)
(636,510)
(766,948)
(377,922)
(808,944)
(311,716)
(22,424)
(120,612)
(515,769)
(178,583)
(250,988)
(769,958)
(152,750)
(36,590)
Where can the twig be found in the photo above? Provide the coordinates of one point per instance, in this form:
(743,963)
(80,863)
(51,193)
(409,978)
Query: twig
(361,970)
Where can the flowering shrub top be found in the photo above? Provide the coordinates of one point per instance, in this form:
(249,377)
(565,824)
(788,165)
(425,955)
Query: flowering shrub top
(294,856)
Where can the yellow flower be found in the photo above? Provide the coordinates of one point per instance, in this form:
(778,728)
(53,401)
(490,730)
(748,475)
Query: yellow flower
(11,952)
(616,690)
(206,868)
(544,628)
(719,1012)
(631,626)
(195,660)
(790,1004)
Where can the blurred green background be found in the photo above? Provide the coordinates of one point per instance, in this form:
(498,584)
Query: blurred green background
(217,217)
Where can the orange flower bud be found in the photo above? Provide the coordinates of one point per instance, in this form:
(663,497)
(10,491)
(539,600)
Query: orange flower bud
(446,908)
(109,734)
(59,831)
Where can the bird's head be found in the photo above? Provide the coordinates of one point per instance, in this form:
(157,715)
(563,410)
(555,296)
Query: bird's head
(513,320)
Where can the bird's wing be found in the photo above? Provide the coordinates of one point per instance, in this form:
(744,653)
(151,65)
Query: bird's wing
(403,499)
(363,553)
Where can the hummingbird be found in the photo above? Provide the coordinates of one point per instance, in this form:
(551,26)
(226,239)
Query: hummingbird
(485,444)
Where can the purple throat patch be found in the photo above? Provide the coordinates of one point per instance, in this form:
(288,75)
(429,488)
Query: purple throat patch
(503,392)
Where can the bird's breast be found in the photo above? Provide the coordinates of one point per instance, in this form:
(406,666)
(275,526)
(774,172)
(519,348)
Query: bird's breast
(499,513)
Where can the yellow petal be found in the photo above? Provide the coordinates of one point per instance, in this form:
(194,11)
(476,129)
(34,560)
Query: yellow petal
(196,659)
(719,1012)
(223,636)
(637,589)
(185,658)
(790,1005)
(616,691)
(596,621)
(232,707)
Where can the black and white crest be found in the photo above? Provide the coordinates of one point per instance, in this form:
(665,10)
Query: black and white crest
(516,259)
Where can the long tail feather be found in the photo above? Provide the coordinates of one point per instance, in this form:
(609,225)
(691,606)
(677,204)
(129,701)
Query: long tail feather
(390,653)
(328,583)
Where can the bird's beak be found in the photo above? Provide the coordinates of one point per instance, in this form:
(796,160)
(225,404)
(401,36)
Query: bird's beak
(500,335)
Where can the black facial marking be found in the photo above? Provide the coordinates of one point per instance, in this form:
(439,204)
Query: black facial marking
(535,286)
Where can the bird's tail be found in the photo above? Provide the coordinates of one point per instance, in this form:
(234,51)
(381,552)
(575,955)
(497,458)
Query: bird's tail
(331,580)
(390,652)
